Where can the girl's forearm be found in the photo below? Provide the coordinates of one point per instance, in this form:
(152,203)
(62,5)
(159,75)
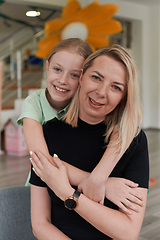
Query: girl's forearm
(75,175)
(34,137)
(108,161)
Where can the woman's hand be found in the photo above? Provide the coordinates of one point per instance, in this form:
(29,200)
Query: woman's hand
(55,177)
(93,188)
(124,193)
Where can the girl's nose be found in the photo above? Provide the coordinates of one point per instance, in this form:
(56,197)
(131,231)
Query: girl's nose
(63,79)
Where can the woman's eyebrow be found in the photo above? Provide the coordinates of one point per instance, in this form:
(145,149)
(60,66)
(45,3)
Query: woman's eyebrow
(119,83)
(99,74)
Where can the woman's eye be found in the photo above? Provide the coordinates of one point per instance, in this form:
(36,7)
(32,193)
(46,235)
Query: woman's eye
(117,88)
(96,77)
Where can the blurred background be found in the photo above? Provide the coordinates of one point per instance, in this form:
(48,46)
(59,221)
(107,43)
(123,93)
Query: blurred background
(21,73)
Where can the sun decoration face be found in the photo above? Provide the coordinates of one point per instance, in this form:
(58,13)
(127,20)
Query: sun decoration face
(93,24)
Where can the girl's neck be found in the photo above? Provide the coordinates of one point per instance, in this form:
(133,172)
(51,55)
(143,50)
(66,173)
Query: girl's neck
(58,106)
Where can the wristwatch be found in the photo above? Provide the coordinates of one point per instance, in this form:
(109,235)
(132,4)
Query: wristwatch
(71,202)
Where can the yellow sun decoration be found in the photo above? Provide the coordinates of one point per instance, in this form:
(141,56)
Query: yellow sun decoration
(93,24)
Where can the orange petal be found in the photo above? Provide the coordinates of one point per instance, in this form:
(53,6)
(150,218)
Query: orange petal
(98,42)
(46,44)
(109,28)
(105,12)
(54,25)
(70,10)
(88,11)
(92,46)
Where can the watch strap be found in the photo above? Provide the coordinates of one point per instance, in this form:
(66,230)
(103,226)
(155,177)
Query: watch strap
(76,194)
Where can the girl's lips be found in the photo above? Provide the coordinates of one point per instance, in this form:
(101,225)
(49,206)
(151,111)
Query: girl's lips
(94,104)
(61,90)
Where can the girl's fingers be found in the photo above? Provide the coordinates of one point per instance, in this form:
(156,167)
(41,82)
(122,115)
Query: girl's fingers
(124,209)
(130,183)
(57,161)
(136,195)
(136,200)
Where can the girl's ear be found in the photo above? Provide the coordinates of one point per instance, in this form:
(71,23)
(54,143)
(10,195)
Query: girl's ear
(47,65)
(80,78)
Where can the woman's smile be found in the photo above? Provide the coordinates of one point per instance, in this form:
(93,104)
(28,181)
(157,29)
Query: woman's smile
(95,104)
(103,86)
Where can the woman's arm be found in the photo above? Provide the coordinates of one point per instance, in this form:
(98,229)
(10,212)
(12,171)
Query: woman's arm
(41,216)
(114,223)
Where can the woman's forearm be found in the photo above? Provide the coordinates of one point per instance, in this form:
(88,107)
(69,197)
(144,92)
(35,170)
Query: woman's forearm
(48,231)
(113,223)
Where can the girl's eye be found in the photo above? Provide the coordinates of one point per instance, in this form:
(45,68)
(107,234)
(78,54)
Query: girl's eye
(57,69)
(75,75)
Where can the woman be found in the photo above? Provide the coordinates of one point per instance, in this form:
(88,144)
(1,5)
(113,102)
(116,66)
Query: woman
(107,97)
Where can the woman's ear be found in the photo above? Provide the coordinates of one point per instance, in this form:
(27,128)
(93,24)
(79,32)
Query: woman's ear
(80,78)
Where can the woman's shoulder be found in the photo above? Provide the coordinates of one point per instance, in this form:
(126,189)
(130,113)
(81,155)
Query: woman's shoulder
(141,138)
(139,144)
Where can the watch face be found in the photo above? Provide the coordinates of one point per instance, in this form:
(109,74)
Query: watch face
(70,203)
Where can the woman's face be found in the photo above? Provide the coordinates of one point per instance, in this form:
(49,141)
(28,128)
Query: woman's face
(102,88)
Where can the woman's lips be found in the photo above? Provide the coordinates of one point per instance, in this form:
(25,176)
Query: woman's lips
(94,104)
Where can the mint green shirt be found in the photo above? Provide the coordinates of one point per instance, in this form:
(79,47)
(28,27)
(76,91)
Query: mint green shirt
(37,107)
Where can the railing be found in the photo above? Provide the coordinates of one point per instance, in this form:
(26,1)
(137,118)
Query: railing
(13,62)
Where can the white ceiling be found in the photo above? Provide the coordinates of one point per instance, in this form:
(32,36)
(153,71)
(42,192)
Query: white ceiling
(17,12)
(12,17)
(145,2)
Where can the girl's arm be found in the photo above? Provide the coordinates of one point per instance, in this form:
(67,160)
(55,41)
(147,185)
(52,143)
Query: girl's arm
(33,133)
(34,138)
(94,185)
(41,216)
(113,223)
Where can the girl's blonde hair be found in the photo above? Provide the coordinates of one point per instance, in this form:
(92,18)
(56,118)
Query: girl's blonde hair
(75,45)
(126,118)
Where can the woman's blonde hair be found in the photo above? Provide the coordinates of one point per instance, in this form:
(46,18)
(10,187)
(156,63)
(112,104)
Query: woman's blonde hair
(75,45)
(126,118)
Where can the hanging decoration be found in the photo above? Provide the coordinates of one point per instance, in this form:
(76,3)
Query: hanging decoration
(93,24)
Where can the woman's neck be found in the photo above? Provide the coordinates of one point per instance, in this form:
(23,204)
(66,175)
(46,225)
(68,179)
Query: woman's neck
(91,120)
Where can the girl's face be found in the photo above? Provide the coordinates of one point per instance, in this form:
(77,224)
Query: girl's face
(103,86)
(63,74)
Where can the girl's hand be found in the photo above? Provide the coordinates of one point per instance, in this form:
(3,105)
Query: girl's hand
(125,194)
(55,177)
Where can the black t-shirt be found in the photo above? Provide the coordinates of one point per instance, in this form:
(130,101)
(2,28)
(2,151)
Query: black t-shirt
(83,148)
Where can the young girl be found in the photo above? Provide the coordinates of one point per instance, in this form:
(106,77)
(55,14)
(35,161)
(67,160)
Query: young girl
(64,66)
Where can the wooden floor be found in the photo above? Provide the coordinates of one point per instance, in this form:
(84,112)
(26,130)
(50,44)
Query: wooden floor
(14,172)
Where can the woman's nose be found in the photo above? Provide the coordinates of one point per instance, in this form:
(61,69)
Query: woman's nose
(102,91)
